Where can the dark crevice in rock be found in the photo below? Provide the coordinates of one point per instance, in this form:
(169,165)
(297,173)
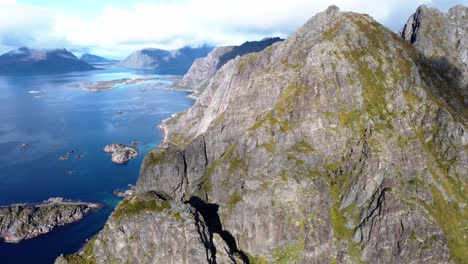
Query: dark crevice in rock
(212,220)
(414,26)
(184,175)
(207,241)
(204,151)
(374,210)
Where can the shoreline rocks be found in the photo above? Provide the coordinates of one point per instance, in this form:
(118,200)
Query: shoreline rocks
(121,153)
(125,193)
(25,221)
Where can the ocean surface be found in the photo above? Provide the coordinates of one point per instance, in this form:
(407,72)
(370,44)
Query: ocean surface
(61,118)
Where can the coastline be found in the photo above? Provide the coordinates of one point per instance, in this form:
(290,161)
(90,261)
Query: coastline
(194,95)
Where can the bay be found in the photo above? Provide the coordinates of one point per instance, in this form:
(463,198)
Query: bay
(52,117)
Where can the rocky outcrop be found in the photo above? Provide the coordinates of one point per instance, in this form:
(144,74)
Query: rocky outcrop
(333,146)
(125,193)
(442,39)
(121,153)
(203,70)
(173,232)
(174,62)
(31,61)
(24,221)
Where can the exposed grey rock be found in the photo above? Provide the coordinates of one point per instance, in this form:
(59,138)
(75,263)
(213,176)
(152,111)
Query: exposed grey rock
(175,62)
(203,70)
(121,153)
(442,39)
(173,232)
(24,221)
(331,146)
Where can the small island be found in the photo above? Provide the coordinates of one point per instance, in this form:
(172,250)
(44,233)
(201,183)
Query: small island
(121,153)
(24,221)
(108,85)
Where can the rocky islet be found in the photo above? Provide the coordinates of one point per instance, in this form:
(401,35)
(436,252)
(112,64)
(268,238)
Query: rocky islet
(121,153)
(25,221)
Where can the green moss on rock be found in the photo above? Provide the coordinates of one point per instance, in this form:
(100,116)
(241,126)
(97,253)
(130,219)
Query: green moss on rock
(138,204)
(86,256)
(454,222)
(233,200)
(288,253)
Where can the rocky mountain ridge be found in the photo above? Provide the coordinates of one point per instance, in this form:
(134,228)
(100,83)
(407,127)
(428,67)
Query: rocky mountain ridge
(442,40)
(337,145)
(204,69)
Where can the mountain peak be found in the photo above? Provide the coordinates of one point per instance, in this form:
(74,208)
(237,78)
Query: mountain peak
(441,40)
(40,61)
(333,146)
(332,9)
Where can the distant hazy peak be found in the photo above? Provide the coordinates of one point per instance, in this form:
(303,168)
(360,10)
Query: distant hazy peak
(91,58)
(176,62)
(40,61)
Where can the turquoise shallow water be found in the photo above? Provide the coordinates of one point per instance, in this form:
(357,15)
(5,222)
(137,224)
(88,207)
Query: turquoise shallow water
(62,119)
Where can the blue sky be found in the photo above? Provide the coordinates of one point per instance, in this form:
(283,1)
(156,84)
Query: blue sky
(115,28)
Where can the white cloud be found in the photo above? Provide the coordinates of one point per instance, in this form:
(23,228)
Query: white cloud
(118,31)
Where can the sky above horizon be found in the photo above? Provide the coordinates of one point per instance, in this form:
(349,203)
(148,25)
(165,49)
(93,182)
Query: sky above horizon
(115,28)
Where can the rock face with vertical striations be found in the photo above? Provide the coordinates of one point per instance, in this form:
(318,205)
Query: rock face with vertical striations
(337,145)
(24,221)
(442,39)
(203,70)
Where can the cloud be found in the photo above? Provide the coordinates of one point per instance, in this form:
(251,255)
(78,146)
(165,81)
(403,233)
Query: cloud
(117,31)
(23,24)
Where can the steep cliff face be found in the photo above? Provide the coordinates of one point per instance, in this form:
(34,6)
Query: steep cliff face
(335,145)
(442,39)
(203,70)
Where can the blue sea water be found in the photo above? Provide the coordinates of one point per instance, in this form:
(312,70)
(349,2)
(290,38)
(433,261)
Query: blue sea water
(62,119)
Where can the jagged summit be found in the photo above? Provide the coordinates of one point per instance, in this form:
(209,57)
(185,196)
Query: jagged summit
(442,40)
(329,147)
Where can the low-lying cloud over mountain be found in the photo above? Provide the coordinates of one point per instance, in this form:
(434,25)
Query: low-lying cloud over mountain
(114,29)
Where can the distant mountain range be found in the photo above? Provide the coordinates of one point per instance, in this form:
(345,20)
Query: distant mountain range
(175,62)
(31,61)
(94,59)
